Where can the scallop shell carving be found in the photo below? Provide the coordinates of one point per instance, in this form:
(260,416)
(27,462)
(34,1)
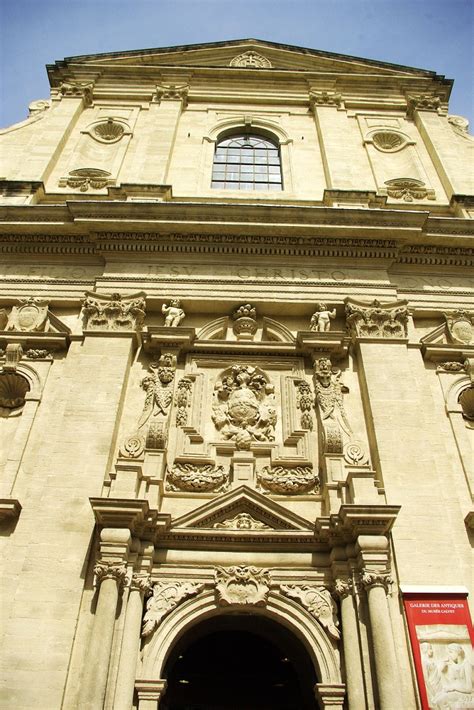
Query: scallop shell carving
(109,131)
(13,389)
(387,140)
(466,400)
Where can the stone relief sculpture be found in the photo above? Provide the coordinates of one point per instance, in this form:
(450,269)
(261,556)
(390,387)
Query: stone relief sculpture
(197,478)
(254,60)
(338,434)
(447,666)
(377,320)
(243,409)
(242,586)
(460,326)
(408,189)
(114,312)
(173,313)
(166,596)
(245,322)
(152,430)
(183,401)
(84,178)
(321,318)
(31,315)
(305,403)
(319,603)
(281,480)
(242,521)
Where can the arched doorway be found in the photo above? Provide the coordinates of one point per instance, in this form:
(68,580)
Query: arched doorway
(239,662)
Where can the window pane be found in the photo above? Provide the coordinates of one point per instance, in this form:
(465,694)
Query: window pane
(218,184)
(274,178)
(274,169)
(246,162)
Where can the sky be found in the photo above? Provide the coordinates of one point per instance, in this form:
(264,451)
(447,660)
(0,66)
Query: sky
(430,34)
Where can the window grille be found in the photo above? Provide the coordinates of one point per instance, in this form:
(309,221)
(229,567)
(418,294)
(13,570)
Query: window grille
(247,163)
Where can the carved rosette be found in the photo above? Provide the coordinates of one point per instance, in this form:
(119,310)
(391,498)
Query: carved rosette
(114,312)
(30,315)
(319,603)
(377,320)
(245,322)
(242,521)
(242,586)
(460,326)
(166,597)
(376,579)
(305,403)
(183,400)
(110,570)
(243,409)
(197,478)
(281,480)
(152,431)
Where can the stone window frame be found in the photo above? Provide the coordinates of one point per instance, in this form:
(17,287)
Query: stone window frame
(256,126)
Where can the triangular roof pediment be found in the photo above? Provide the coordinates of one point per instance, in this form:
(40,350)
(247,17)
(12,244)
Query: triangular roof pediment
(223,54)
(233,510)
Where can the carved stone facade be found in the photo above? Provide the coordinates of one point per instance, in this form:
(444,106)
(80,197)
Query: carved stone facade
(225,412)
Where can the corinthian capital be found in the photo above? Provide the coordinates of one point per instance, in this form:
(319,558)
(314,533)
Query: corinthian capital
(376,579)
(343,588)
(141,582)
(110,570)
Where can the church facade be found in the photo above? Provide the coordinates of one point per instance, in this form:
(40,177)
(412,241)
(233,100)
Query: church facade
(237,385)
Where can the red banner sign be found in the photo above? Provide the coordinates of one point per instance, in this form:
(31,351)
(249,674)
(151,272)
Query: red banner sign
(441,638)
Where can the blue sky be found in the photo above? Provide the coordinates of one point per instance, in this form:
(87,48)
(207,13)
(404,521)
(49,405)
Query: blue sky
(431,34)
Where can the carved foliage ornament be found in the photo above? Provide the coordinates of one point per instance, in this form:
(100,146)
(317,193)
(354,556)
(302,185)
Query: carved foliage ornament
(281,480)
(166,596)
(325,98)
(31,315)
(253,60)
(242,586)
(375,579)
(183,400)
(243,409)
(114,312)
(319,603)
(377,320)
(460,326)
(196,478)
(84,178)
(423,102)
(110,570)
(75,90)
(171,92)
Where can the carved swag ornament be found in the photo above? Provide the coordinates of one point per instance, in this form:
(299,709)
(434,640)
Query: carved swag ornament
(242,586)
(377,320)
(281,480)
(114,312)
(338,434)
(243,408)
(152,430)
(319,603)
(197,478)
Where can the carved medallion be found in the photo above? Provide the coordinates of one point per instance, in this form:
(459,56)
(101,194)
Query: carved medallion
(460,326)
(319,603)
(31,315)
(288,481)
(242,586)
(242,521)
(197,478)
(243,409)
(166,596)
(252,60)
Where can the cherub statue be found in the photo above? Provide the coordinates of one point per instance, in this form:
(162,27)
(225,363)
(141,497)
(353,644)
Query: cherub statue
(173,313)
(321,319)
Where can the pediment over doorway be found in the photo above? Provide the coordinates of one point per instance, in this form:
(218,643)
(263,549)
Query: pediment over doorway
(263,514)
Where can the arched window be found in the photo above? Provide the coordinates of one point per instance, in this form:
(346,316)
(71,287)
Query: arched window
(247,163)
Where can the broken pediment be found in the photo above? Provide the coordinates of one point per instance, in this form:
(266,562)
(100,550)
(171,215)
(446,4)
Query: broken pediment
(243,510)
(246,54)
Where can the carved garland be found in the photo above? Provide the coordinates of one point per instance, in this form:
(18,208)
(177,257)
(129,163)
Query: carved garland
(281,480)
(197,478)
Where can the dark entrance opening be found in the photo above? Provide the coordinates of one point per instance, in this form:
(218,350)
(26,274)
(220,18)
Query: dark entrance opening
(239,662)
